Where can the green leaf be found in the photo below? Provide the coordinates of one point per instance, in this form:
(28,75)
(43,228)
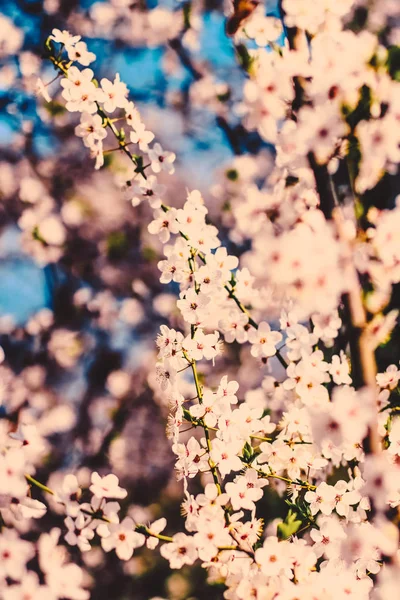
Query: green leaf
(55,108)
(248,453)
(289,526)
(245,60)
(117,244)
(394,62)
(149,254)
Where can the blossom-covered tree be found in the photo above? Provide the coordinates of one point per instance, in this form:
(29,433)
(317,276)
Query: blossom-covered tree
(254,313)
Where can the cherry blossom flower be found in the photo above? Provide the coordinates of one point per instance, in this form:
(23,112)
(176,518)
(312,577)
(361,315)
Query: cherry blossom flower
(181,551)
(208,409)
(141,137)
(164,224)
(155,527)
(246,490)
(203,345)
(123,539)
(41,89)
(69,494)
(28,587)
(274,557)
(226,456)
(390,378)
(161,160)
(194,307)
(112,94)
(64,37)
(233,327)
(90,129)
(328,537)
(345,498)
(14,553)
(13,466)
(339,369)
(79,534)
(107,486)
(264,340)
(322,500)
(148,189)
(78,52)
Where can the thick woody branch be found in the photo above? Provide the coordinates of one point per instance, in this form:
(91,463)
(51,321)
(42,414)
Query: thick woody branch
(362,351)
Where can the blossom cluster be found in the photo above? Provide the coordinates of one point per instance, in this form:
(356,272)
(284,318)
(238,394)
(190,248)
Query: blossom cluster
(305,306)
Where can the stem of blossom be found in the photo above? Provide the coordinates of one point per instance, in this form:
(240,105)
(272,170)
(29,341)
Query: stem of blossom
(303,484)
(206,432)
(139,528)
(39,485)
(230,291)
(197,422)
(122,145)
(252,322)
(259,437)
(184,369)
(147,532)
(117,148)
(303,528)
(95,515)
(53,80)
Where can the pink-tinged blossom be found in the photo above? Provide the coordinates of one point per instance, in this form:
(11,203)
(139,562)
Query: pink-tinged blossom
(90,129)
(322,499)
(161,160)
(64,37)
(382,480)
(208,410)
(15,553)
(155,527)
(328,537)
(79,533)
(194,307)
(227,390)
(191,458)
(28,587)
(225,456)
(123,539)
(107,486)
(246,490)
(147,189)
(164,224)
(390,378)
(69,494)
(203,345)
(79,53)
(141,136)
(264,341)
(181,551)
(233,326)
(274,558)
(13,467)
(112,95)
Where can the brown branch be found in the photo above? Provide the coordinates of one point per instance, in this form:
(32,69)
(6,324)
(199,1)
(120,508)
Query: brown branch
(362,351)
